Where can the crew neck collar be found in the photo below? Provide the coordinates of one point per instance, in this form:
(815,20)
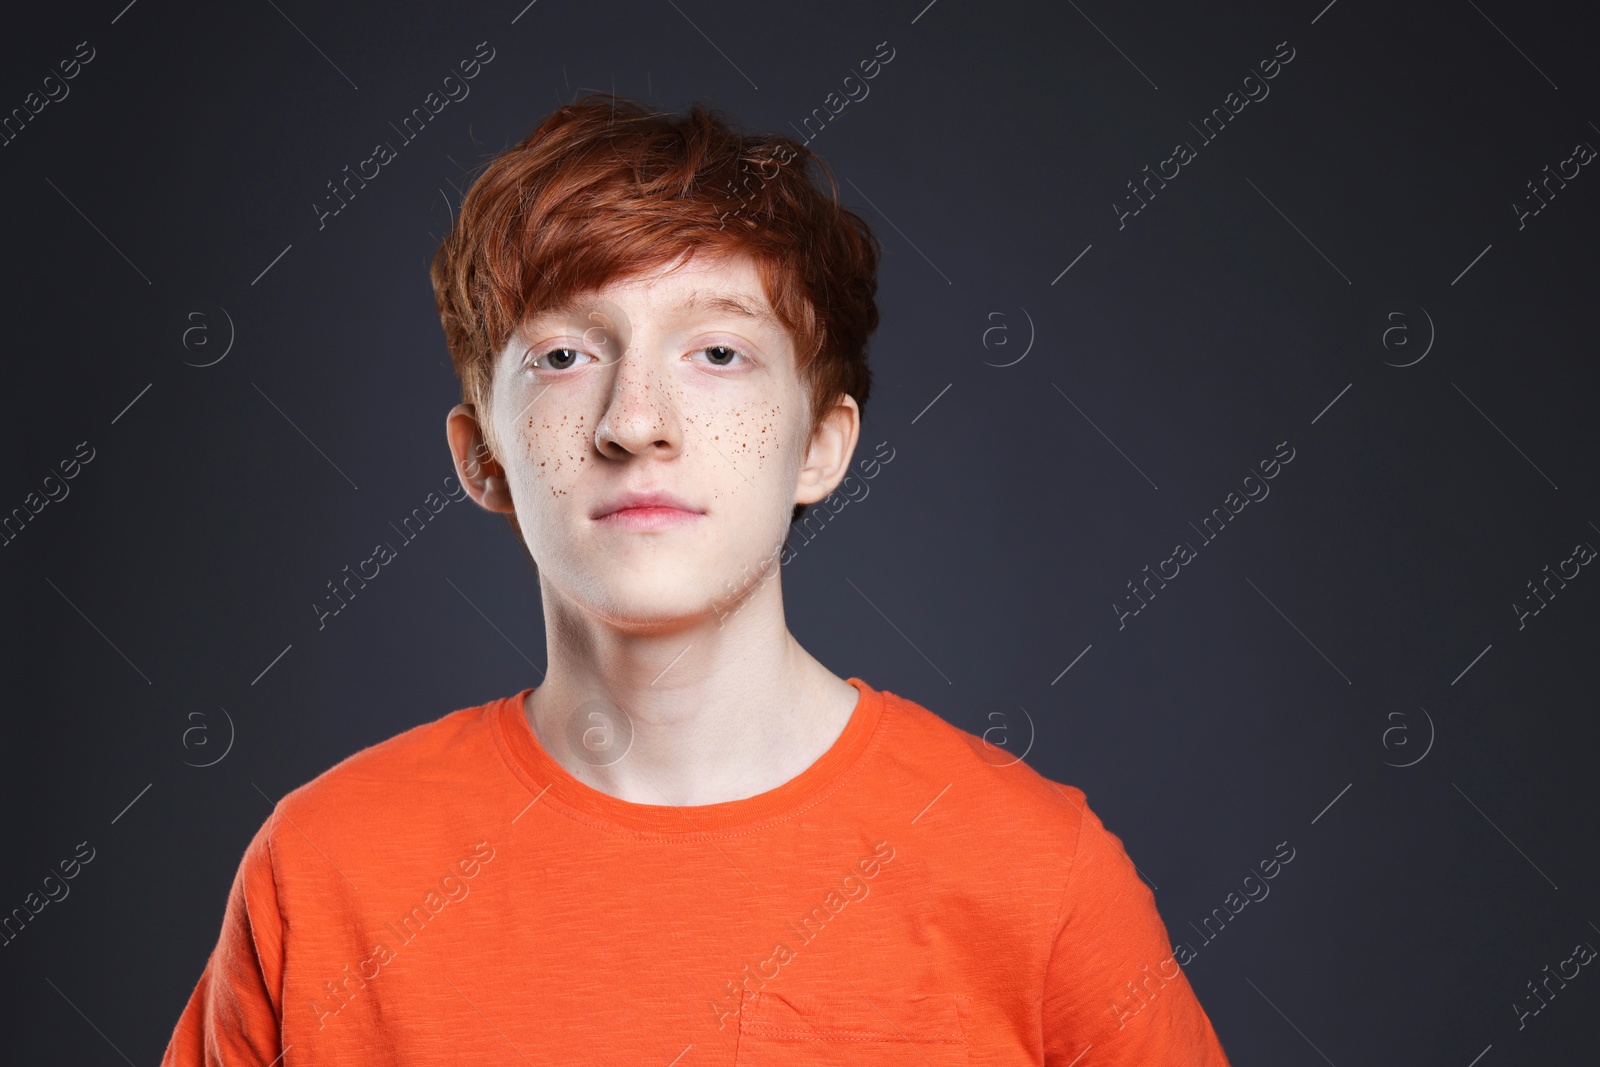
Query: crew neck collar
(554,785)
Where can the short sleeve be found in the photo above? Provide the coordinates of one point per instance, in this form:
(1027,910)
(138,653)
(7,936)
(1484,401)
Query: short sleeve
(1115,993)
(234,1015)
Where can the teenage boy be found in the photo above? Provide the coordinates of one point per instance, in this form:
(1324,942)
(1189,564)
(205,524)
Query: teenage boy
(691,843)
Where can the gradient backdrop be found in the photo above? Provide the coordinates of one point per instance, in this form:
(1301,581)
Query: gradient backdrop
(1382,265)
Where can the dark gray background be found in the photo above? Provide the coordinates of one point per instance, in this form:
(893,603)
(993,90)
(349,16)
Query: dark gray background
(1247,705)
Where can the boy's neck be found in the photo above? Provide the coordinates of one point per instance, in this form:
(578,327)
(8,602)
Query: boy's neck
(720,710)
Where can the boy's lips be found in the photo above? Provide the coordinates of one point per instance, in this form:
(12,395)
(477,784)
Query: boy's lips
(655,505)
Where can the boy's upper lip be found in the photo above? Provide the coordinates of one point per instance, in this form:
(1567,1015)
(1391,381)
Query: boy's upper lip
(643,498)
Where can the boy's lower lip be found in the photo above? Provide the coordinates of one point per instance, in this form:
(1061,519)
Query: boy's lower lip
(648,518)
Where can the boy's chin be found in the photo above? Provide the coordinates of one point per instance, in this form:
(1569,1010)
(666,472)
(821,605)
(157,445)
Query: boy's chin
(658,604)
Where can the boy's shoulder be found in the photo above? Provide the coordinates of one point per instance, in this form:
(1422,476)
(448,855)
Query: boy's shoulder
(988,775)
(424,764)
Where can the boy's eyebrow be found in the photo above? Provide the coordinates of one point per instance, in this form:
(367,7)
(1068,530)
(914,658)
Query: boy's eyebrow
(698,300)
(702,299)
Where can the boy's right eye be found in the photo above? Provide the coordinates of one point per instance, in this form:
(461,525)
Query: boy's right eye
(559,358)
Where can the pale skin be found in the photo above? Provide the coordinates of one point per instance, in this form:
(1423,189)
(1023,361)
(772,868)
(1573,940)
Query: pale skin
(682,628)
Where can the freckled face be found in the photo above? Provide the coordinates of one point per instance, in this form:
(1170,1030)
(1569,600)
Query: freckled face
(654,383)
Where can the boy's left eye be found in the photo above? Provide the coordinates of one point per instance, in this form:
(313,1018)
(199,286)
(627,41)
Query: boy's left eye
(721,355)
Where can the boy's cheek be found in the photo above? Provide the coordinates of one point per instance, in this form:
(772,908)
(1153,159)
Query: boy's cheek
(551,455)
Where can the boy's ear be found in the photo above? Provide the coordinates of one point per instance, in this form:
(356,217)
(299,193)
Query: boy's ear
(480,473)
(828,456)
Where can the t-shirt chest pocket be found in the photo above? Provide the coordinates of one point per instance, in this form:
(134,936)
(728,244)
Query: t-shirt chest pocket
(847,1029)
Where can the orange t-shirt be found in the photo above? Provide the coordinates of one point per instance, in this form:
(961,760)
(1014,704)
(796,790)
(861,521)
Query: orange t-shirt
(915,896)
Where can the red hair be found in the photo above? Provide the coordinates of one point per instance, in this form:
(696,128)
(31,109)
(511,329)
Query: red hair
(603,189)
